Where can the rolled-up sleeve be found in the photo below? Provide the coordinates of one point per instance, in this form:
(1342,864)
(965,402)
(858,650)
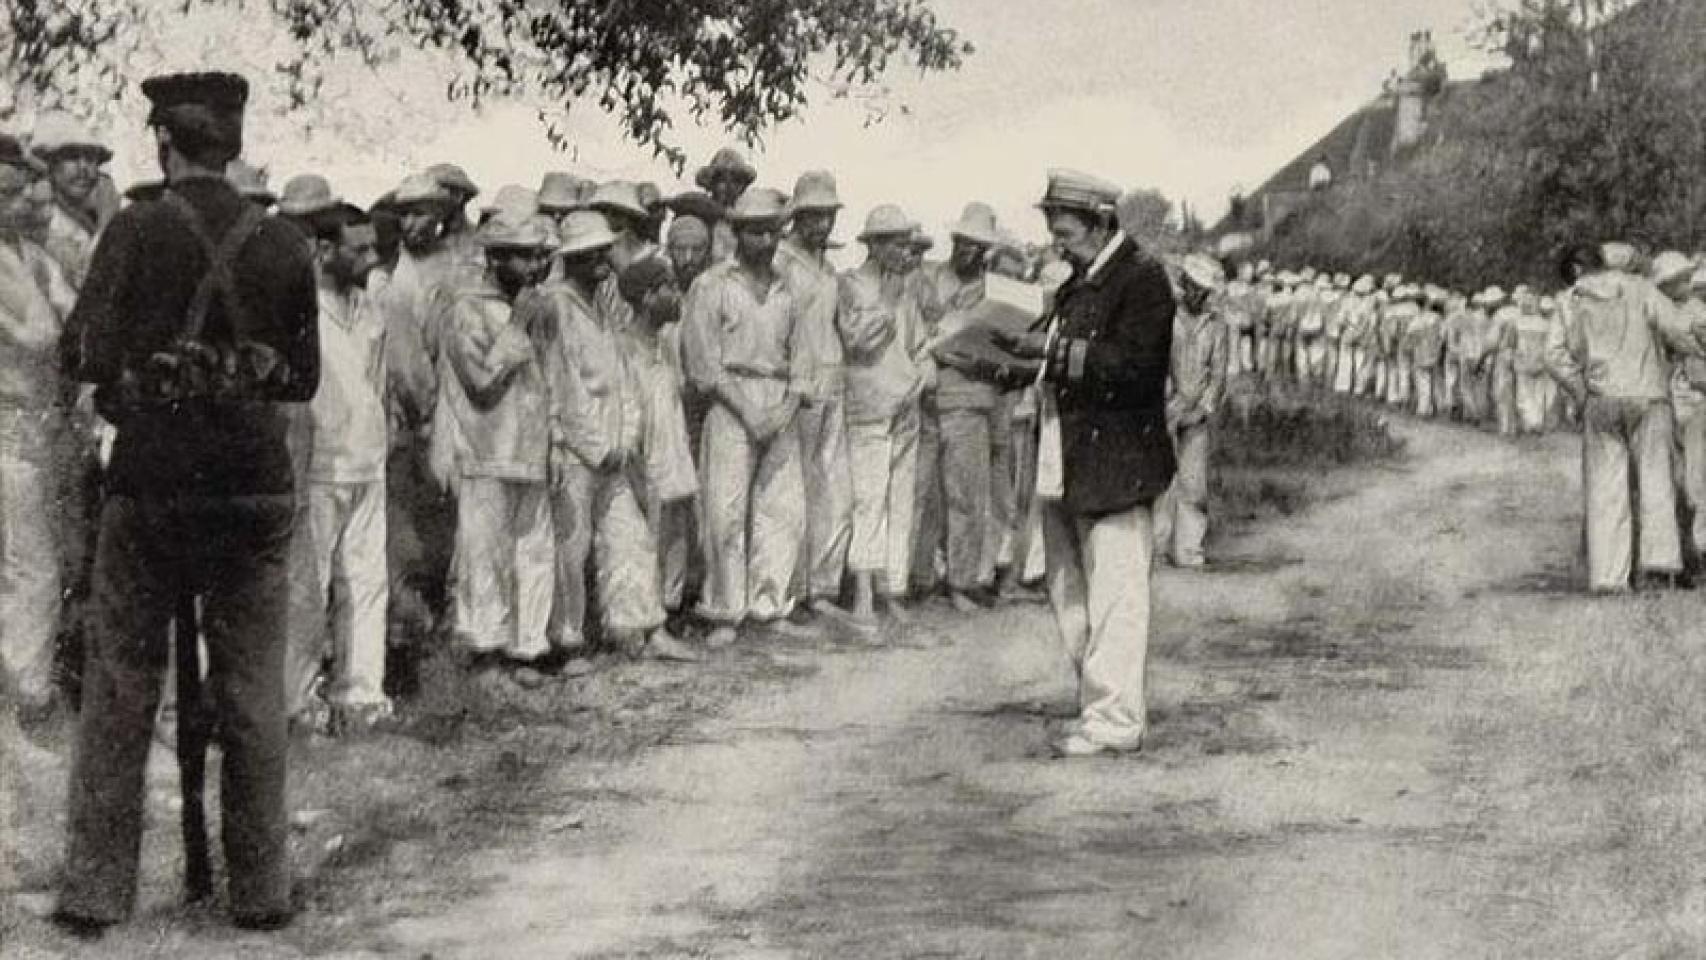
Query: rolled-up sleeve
(867,325)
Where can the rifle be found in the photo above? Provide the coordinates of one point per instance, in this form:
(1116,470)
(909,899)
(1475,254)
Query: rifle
(194,732)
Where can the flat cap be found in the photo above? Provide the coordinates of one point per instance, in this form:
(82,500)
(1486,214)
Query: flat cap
(220,92)
(1075,190)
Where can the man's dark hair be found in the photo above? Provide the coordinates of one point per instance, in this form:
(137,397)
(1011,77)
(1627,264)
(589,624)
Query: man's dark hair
(1577,259)
(204,144)
(329,224)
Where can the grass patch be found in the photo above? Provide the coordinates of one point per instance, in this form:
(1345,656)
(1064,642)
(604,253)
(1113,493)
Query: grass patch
(1269,453)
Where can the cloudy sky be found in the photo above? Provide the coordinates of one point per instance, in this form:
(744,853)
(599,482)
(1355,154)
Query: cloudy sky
(1193,97)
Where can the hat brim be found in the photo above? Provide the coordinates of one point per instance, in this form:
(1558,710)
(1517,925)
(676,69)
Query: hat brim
(971,234)
(409,203)
(48,152)
(778,218)
(296,210)
(801,206)
(904,231)
(576,249)
(639,213)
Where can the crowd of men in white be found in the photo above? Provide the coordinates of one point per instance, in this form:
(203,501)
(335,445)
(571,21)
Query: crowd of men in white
(572,407)
(567,407)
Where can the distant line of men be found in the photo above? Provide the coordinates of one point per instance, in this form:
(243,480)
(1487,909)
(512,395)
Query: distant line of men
(1616,353)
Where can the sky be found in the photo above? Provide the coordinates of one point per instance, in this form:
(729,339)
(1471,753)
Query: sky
(1195,98)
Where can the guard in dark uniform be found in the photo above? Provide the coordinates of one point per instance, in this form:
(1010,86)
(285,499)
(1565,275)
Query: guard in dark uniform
(198,320)
(1104,455)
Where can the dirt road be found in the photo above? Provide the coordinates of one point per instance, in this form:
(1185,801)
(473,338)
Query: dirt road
(1349,759)
(1386,727)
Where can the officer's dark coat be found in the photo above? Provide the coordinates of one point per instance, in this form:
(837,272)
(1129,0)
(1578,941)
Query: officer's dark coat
(1110,374)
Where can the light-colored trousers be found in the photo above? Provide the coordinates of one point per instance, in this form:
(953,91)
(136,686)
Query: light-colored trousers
(1618,433)
(338,569)
(1472,394)
(826,461)
(754,505)
(1345,369)
(1244,358)
(1691,461)
(885,483)
(1098,584)
(1398,382)
(1536,394)
(1181,515)
(597,516)
(1503,384)
(1311,359)
(672,520)
(1365,370)
(31,567)
(504,563)
(967,478)
(1424,389)
(1451,376)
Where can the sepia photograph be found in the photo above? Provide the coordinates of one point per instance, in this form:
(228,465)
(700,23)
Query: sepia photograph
(795,479)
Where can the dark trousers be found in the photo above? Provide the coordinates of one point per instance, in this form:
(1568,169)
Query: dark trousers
(420,535)
(232,552)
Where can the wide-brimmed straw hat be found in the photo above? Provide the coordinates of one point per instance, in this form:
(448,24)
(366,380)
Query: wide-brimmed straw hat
(250,182)
(726,162)
(560,191)
(886,221)
(760,205)
(58,132)
(585,231)
(815,190)
(977,224)
(307,194)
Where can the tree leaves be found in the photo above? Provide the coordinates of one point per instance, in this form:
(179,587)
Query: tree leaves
(1595,133)
(747,64)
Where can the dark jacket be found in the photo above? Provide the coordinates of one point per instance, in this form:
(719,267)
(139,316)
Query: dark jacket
(142,277)
(1110,373)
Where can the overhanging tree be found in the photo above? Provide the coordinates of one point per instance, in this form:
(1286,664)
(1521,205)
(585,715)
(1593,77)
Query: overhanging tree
(746,64)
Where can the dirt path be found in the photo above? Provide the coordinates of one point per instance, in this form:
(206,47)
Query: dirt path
(1329,774)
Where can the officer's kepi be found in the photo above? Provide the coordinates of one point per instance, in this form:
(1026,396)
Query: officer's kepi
(207,104)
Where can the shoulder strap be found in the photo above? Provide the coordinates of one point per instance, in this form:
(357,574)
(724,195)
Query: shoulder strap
(221,255)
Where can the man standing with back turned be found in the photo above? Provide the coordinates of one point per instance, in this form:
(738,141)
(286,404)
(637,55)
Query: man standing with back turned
(182,290)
